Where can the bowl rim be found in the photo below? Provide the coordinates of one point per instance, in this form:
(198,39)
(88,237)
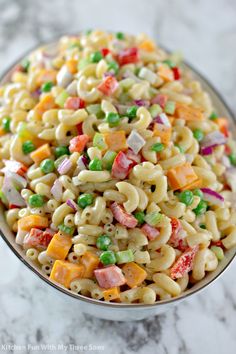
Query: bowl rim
(88,300)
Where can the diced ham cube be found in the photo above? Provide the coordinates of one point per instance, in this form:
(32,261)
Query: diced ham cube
(77,144)
(135,158)
(74,103)
(108,86)
(121,166)
(150,232)
(109,277)
(184,264)
(160,99)
(122,216)
(38,239)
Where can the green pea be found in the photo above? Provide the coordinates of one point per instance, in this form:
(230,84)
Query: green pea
(203,226)
(140,216)
(186,197)
(96,57)
(103,242)
(27,147)
(120,36)
(181,150)
(232,159)
(198,134)
(6,124)
(66,229)
(213,116)
(25,64)
(47,86)
(170,63)
(201,208)
(108,257)
(113,66)
(47,166)
(85,200)
(158,147)
(132,112)
(61,150)
(113,119)
(198,193)
(95,164)
(36,201)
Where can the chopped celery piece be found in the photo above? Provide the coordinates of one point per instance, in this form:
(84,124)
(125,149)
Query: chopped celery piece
(153,218)
(218,252)
(108,159)
(61,98)
(154,110)
(99,141)
(170,107)
(124,256)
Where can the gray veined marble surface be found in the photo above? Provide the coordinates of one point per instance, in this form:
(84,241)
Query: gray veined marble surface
(32,318)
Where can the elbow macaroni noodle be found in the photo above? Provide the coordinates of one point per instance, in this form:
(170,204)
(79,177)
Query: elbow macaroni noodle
(115,176)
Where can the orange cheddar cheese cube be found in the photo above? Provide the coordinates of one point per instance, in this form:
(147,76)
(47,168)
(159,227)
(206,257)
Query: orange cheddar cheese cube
(195,184)
(111,294)
(116,141)
(223,125)
(134,274)
(90,262)
(46,75)
(72,65)
(181,176)
(64,272)
(163,132)
(59,246)
(28,222)
(165,73)
(147,45)
(188,113)
(46,103)
(41,153)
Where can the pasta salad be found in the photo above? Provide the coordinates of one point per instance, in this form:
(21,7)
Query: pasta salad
(116,175)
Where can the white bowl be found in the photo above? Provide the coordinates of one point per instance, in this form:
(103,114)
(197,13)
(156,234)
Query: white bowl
(118,311)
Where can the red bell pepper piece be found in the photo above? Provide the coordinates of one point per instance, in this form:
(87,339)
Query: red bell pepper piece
(105,51)
(122,216)
(176,239)
(129,55)
(79,128)
(176,72)
(184,264)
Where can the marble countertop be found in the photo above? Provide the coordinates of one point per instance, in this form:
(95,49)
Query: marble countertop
(32,318)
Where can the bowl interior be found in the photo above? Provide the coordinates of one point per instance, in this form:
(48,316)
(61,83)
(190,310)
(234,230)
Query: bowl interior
(221,107)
